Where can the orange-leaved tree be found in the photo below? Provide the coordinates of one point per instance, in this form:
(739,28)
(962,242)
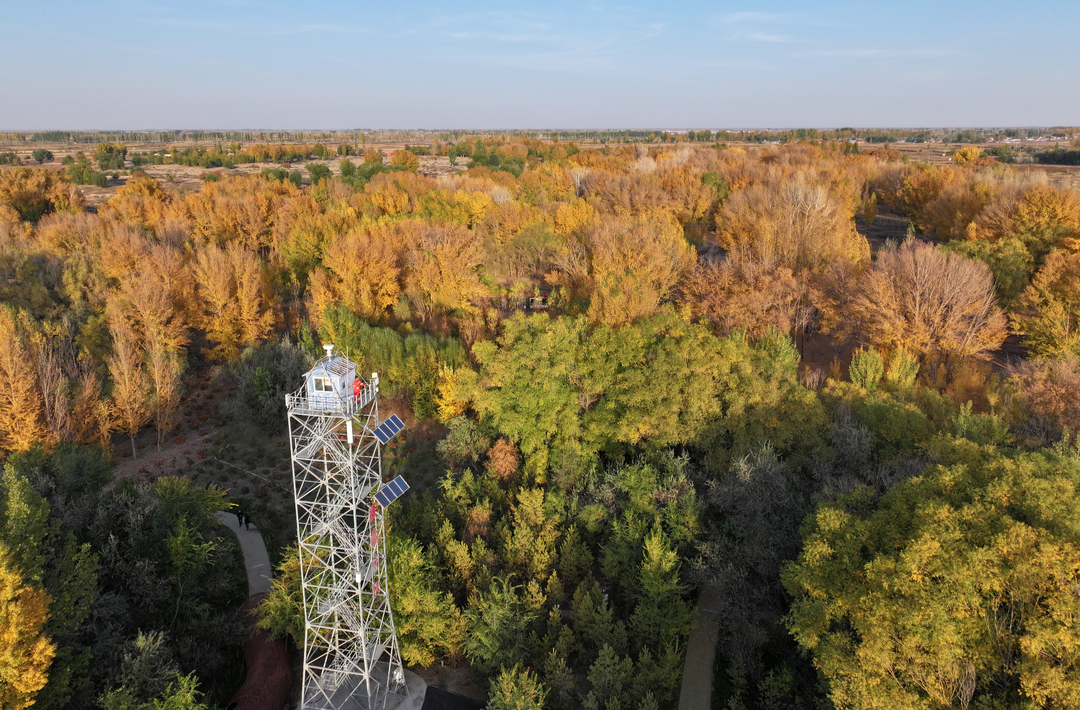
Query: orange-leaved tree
(742,294)
(929,302)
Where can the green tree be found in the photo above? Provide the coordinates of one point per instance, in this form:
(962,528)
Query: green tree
(52,559)
(516,689)
(281,614)
(181,694)
(148,668)
(554,385)
(264,375)
(662,617)
(955,590)
(110,156)
(609,677)
(1048,311)
(867,368)
(498,623)
(317,172)
(42,156)
(428,624)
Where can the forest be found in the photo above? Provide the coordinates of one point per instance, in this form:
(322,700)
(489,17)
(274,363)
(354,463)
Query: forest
(868,447)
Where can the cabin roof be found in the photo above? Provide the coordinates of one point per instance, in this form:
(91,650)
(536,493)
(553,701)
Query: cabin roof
(334,366)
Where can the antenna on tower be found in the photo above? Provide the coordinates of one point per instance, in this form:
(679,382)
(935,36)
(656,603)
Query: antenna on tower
(351,654)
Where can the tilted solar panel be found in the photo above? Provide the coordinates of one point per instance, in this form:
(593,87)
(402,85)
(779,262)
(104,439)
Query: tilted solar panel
(386,431)
(391,491)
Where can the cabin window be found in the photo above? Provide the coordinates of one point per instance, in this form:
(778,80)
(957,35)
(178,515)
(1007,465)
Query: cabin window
(323,384)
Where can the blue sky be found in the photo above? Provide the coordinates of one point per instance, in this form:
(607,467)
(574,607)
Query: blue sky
(133,64)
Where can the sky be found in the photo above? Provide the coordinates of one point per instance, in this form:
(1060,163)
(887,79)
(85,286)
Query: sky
(324,64)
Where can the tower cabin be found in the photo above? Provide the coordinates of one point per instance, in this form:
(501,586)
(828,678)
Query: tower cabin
(329,385)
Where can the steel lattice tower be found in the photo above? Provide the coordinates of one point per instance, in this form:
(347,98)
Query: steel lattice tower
(351,655)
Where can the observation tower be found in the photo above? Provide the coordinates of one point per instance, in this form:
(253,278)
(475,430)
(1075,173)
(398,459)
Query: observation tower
(351,655)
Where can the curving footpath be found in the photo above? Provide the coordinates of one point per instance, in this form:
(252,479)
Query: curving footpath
(269,673)
(696,691)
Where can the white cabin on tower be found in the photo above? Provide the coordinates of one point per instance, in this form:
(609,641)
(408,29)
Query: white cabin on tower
(330,383)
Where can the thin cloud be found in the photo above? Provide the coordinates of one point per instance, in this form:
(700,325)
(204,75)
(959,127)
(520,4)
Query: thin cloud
(766,37)
(759,17)
(866,53)
(323,29)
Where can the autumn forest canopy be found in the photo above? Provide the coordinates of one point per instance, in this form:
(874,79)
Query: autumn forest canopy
(650,367)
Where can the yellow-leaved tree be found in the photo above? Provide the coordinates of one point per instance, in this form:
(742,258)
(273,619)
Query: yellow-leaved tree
(441,269)
(20,401)
(131,387)
(362,272)
(25,652)
(625,266)
(405,160)
(232,303)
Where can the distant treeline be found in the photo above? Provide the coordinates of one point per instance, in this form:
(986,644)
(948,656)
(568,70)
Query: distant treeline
(875,135)
(1059,157)
(94,137)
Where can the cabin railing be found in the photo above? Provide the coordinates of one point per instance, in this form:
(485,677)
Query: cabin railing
(302,402)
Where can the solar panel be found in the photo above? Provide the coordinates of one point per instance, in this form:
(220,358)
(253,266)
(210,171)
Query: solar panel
(391,491)
(385,431)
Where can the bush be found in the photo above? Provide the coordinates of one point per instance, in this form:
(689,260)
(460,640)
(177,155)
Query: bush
(82,173)
(264,376)
(110,156)
(347,168)
(42,156)
(464,444)
(404,160)
(317,172)
(867,368)
(275,174)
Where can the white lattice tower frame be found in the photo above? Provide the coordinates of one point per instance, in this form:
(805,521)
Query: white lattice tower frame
(351,655)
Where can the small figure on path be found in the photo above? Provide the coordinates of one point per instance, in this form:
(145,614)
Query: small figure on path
(239,517)
(247,522)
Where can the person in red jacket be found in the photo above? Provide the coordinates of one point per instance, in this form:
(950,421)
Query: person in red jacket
(358,388)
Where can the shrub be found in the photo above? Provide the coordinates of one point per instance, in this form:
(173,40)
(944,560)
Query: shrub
(317,172)
(464,444)
(264,376)
(404,160)
(867,368)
